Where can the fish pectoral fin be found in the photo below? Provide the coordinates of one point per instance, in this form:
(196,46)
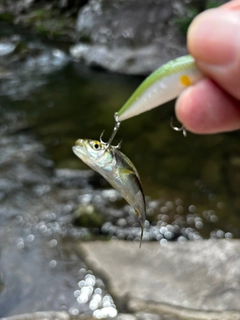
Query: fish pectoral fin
(125,171)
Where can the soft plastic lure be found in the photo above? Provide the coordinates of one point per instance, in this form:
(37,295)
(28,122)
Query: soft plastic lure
(164,84)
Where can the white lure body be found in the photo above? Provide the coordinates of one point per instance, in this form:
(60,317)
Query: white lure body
(164,84)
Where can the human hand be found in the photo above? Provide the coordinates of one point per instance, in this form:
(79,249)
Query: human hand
(213,104)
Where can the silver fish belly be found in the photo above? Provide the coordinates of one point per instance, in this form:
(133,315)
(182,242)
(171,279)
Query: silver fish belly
(117,169)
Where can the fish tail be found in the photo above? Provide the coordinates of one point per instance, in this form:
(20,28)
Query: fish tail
(141,237)
(141,220)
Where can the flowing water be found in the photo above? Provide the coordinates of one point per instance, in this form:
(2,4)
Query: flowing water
(50,200)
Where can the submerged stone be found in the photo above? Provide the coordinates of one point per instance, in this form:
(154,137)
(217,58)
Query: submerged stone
(6,48)
(88,216)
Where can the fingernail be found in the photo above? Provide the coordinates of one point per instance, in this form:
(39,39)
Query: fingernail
(214,37)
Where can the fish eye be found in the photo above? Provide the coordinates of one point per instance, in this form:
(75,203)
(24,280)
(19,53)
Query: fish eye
(96,145)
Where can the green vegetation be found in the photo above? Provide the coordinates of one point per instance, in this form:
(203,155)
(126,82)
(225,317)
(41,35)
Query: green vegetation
(184,21)
(46,21)
(6,17)
(213,4)
(49,23)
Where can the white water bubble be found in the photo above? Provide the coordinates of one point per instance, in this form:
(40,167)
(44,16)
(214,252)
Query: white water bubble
(53,243)
(30,238)
(53,263)
(20,243)
(192,208)
(74,311)
(93,305)
(163,242)
(198,224)
(228,235)
(76,293)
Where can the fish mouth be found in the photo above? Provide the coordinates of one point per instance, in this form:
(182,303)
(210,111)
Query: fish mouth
(77,149)
(79,143)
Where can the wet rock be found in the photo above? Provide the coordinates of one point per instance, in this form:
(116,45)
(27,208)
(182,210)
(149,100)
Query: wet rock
(39,267)
(126,316)
(61,315)
(137,36)
(47,315)
(142,316)
(49,276)
(120,59)
(6,48)
(25,64)
(4,73)
(128,37)
(195,279)
(16,6)
(155,316)
(133,37)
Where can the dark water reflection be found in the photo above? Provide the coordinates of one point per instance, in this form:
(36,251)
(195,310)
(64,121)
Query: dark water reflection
(202,171)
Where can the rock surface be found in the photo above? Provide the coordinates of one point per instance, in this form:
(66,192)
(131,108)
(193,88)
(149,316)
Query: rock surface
(61,315)
(132,37)
(197,280)
(39,270)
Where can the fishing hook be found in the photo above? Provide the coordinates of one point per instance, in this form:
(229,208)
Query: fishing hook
(184,131)
(118,146)
(115,130)
(101,138)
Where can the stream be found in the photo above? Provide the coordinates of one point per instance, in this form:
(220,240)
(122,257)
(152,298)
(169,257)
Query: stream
(50,200)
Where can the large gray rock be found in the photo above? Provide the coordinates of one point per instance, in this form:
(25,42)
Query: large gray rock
(132,37)
(50,315)
(197,280)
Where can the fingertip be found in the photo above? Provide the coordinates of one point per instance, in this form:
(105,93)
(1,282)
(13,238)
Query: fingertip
(184,109)
(180,110)
(205,109)
(213,36)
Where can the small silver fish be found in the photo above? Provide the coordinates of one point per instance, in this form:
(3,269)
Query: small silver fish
(117,169)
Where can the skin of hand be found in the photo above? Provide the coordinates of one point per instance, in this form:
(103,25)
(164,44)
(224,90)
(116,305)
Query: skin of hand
(213,104)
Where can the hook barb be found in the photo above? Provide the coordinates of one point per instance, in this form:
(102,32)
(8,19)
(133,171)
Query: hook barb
(101,137)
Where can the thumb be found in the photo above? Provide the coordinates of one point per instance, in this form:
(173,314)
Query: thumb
(214,41)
